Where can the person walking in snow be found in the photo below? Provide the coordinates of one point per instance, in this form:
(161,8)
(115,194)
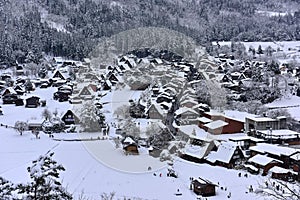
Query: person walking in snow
(229,195)
(250,188)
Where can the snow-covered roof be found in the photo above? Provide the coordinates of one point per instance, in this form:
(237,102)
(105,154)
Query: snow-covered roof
(182,110)
(280,170)
(214,113)
(196,150)
(245,137)
(235,74)
(188,91)
(35,121)
(128,140)
(124,65)
(282,133)
(204,181)
(240,116)
(216,124)
(296,156)
(262,160)
(171,85)
(260,119)
(189,100)
(58,59)
(273,149)
(224,153)
(251,167)
(171,89)
(10,90)
(158,108)
(204,120)
(200,133)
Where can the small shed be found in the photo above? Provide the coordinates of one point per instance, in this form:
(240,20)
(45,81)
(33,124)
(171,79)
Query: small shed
(32,102)
(130,146)
(35,125)
(203,187)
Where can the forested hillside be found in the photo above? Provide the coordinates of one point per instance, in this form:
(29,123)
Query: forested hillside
(71,28)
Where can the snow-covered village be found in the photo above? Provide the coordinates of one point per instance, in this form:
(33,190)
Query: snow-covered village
(148,112)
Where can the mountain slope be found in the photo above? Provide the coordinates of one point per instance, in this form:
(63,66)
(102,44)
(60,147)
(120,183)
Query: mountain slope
(72,28)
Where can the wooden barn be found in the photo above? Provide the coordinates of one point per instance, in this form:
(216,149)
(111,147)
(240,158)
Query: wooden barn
(32,102)
(203,187)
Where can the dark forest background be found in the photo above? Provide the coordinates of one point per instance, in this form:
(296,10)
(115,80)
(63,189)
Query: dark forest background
(25,33)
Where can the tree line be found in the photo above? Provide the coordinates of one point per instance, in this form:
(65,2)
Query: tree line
(24,31)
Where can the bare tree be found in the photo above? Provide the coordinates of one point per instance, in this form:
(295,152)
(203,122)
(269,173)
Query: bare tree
(202,91)
(281,190)
(55,112)
(130,128)
(117,142)
(109,196)
(122,112)
(47,114)
(21,127)
(217,95)
(153,129)
(88,117)
(32,68)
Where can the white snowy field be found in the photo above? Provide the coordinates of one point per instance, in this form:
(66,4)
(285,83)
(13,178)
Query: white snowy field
(14,113)
(290,103)
(85,171)
(113,100)
(95,167)
(289,50)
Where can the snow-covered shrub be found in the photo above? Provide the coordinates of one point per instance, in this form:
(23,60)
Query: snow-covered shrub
(165,155)
(6,189)
(122,112)
(89,119)
(130,128)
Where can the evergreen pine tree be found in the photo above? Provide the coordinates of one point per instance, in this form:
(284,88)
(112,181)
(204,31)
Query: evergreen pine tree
(45,183)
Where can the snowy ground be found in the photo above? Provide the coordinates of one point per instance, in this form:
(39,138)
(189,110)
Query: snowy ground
(291,104)
(95,167)
(85,172)
(113,100)
(14,113)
